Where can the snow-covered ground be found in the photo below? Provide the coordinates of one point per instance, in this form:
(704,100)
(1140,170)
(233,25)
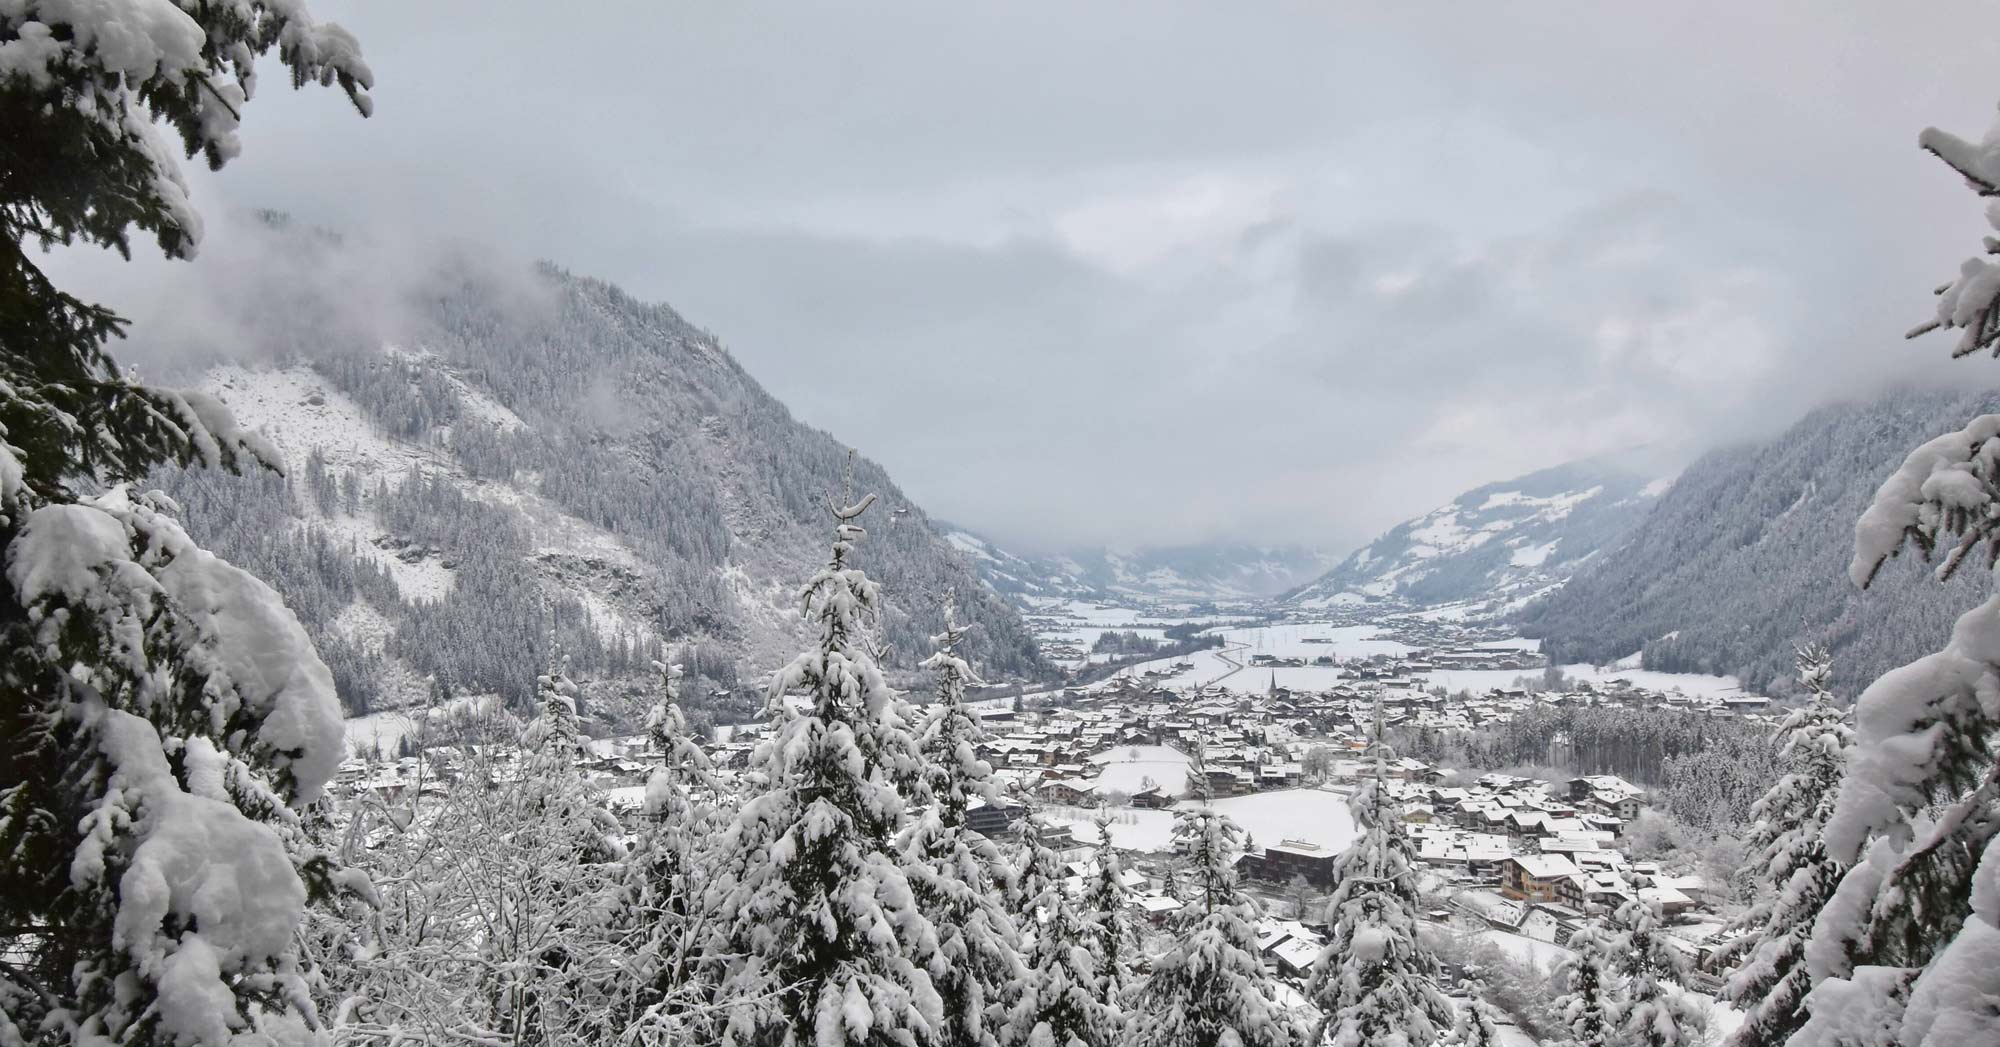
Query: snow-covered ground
(1534,953)
(1314,816)
(1230,666)
(1479,680)
(382,732)
(1081,622)
(1290,641)
(1136,768)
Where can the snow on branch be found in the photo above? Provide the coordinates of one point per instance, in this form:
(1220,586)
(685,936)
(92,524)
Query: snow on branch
(1949,486)
(1912,727)
(1967,302)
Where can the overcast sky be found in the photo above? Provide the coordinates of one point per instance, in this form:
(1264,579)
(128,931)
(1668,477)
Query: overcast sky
(1152,273)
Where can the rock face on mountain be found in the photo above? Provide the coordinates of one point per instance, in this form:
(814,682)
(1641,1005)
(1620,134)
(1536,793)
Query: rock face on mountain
(1745,558)
(1216,571)
(1493,545)
(541,462)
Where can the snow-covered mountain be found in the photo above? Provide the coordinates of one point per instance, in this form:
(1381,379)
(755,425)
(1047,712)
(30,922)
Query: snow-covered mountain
(1495,544)
(1226,571)
(540,462)
(1744,561)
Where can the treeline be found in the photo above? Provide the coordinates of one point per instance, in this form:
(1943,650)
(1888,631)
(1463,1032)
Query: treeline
(1745,559)
(1635,744)
(1116,642)
(489,632)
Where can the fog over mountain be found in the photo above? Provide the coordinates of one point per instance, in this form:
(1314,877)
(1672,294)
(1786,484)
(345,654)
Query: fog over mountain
(1218,273)
(499,458)
(1744,559)
(1199,573)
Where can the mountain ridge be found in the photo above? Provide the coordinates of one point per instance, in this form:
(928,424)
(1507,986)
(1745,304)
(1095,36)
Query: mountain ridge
(1197,572)
(550,468)
(1497,543)
(1745,558)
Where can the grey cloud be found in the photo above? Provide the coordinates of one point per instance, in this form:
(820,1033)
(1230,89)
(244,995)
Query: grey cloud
(1169,272)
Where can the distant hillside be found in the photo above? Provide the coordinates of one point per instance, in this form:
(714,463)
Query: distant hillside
(1746,557)
(1494,544)
(546,457)
(1200,573)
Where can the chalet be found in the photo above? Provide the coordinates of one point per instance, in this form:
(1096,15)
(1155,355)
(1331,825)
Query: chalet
(993,819)
(1534,877)
(1279,864)
(1067,790)
(1157,909)
(1152,798)
(1671,902)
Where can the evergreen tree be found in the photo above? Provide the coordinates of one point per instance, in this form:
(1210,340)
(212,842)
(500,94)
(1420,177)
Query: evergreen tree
(1062,998)
(1375,983)
(1108,902)
(495,880)
(661,908)
(1033,868)
(1649,1013)
(163,717)
(958,874)
(1478,1022)
(1587,1007)
(1210,988)
(1905,951)
(826,944)
(1771,979)
(557,975)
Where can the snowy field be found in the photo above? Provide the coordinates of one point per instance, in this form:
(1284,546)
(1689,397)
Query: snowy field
(1081,622)
(1230,666)
(379,733)
(1480,680)
(1315,816)
(1290,641)
(1211,666)
(1131,769)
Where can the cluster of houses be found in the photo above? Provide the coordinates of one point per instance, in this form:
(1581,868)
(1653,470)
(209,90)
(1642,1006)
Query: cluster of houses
(1517,856)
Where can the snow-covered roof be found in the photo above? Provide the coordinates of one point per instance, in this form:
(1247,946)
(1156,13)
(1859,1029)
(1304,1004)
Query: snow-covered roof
(1545,866)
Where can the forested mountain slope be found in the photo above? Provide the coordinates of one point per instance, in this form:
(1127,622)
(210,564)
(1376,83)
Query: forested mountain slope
(1199,572)
(1746,557)
(1494,543)
(544,459)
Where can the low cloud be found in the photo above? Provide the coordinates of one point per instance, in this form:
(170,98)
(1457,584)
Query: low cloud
(1091,275)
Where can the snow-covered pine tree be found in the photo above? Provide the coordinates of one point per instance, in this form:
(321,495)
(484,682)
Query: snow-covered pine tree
(1587,1007)
(556,792)
(493,924)
(660,912)
(958,874)
(1770,979)
(163,716)
(1376,982)
(1650,1010)
(1108,902)
(1478,1023)
(826,944)
(554,979)
(1210,988)
(1028,876)
(1908,950)
(1061,1002)
(161,712)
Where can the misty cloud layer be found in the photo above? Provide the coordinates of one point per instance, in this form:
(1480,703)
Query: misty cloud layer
(1143,274)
